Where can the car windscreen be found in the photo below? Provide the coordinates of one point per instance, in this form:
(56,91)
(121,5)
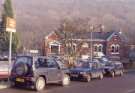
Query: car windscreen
(104,59)
(118,65)
(84,65)
(109,64)
(25,60)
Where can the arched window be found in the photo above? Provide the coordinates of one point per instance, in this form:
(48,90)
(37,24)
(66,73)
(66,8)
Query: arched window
(100,48)
(117,48)
(113,48)
(95,47)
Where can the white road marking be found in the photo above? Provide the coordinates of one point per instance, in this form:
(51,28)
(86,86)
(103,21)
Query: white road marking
(131,91)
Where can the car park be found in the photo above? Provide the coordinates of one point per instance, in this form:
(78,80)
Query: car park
(114,68)
(86,70)
(36,72)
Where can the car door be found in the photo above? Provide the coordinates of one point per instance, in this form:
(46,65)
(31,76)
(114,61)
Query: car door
(100,69)
(41,67)
(117,69)
(97,70)
(54,72)
(94,70)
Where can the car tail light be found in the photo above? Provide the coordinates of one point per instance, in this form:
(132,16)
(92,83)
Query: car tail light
(13,74)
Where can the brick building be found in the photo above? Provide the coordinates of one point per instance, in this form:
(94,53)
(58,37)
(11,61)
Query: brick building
(105,43)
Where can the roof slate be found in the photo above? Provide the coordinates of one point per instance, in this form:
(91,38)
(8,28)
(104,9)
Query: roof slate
(95,35)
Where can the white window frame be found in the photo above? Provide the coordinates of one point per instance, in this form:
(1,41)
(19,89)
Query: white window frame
(116,46)
(55,43)
(98,47)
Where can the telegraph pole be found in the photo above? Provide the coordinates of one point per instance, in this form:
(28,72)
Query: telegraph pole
(10,51)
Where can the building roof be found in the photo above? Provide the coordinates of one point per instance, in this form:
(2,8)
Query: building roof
(95,35)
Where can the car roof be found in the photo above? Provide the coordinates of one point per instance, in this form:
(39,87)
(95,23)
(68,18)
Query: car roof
(35,56)
(117,63)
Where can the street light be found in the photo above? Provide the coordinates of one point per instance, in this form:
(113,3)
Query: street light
(92,28)
(10,28)
(91,39)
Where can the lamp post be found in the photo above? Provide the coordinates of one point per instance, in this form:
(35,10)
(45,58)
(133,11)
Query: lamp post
(91,45)
(11,28)
(10,51)
(91,29)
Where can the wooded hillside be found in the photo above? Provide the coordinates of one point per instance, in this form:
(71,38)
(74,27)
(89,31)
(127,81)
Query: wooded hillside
(36,18)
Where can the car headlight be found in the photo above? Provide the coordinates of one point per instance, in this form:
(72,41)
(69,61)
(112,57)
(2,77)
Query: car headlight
(83,73)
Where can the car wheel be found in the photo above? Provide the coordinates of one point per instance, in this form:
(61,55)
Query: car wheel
(65,80)
(40,84)
(112,74)
(88,78)
(101,76)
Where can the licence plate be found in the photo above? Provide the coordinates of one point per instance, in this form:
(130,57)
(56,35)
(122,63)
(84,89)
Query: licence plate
(74,75)
(19,80)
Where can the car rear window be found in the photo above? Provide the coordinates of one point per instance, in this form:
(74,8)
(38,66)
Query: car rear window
(84,64)
(25,60)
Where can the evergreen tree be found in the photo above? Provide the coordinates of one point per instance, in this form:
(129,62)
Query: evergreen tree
(8,10)
(4,36)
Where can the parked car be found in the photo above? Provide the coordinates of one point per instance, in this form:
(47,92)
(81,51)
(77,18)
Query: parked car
(114,68)
(4,69)
(132,56)
(36,72)
(103,60)
(86,70)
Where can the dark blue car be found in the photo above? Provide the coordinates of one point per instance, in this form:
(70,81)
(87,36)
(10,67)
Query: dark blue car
(114,68)
(86,71)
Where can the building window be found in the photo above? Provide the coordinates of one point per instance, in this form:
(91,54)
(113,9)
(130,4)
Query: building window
(54,47)
(115,48)
(95,48)
(98,47)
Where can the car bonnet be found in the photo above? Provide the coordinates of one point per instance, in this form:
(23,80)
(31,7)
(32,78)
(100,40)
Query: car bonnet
(80,69)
